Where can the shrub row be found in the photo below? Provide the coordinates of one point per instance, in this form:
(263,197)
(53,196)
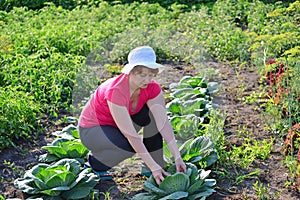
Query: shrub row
(72,4)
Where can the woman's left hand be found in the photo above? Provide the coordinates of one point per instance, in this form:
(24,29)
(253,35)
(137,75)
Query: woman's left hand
(180,165)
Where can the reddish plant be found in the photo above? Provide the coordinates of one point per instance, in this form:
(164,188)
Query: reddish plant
(271,61)
(298,156)
(292,141)
(274,78)
(297,186)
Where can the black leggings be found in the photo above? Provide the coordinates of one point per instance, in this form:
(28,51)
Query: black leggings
(108,146)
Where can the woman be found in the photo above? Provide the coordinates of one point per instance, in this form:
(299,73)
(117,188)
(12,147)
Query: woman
(119,108)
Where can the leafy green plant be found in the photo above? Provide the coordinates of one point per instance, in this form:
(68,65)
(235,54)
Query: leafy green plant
(199,151)
(250,150)
(67,145)
(188,109)
(260,190)
(64,179)
(192,185)
(186,126)
(19,116)
(64,148)
(189,106)
(189,96)
(69,132)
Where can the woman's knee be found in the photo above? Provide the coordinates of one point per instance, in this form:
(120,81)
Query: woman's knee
(118,140)
(154,142)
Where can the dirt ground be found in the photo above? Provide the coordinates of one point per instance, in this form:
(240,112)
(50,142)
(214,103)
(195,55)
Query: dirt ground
(235,84)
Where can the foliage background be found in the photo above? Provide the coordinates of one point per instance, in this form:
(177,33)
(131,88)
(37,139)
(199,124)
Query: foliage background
(53,51)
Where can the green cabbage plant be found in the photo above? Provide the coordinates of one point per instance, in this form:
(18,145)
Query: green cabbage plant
(69,132)
(190,186)
(67,145)
(200,151)
(64,179)
(185,126)
(197,106)
(64,148)
(189,107)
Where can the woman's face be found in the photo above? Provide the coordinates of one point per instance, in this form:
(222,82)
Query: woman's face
(142,77)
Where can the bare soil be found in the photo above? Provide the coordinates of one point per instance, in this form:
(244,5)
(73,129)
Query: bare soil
(236,83)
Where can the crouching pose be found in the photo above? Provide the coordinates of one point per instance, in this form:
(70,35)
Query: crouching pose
(122,106)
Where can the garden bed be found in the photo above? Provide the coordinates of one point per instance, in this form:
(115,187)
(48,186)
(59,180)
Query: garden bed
(236,84)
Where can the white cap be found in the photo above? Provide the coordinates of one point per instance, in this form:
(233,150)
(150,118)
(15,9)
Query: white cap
(143,55)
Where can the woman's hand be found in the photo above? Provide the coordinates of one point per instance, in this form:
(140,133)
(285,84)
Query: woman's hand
(159,174)
(180,165)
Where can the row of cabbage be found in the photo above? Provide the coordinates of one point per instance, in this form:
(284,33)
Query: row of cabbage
(189,112)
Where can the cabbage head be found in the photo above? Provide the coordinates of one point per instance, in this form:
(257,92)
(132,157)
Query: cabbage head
(190,186)
(64,179)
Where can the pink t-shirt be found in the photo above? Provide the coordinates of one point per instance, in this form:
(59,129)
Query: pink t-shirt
(116,90)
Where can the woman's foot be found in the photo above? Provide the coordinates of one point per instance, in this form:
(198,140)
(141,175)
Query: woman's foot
(103,175)
(146,172)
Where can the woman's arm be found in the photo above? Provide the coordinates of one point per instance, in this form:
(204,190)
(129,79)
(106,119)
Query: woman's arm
(159,111)
(124,123)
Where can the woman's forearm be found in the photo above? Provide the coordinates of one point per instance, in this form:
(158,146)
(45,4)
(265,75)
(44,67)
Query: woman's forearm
(168,135)
(172,145)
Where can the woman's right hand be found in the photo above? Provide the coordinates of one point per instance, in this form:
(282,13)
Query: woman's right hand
(159,175)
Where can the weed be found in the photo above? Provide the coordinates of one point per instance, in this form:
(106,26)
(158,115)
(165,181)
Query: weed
(106,194)
(122,196)
(243,131)
(254,97)
(261,191)
(94,195)
(241,178)
(291,162)
(251,150)
(11,168)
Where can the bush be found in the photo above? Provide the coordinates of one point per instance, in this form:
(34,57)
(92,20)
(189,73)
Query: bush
(38,4)
(279,37)
(18,116)
(49,82)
